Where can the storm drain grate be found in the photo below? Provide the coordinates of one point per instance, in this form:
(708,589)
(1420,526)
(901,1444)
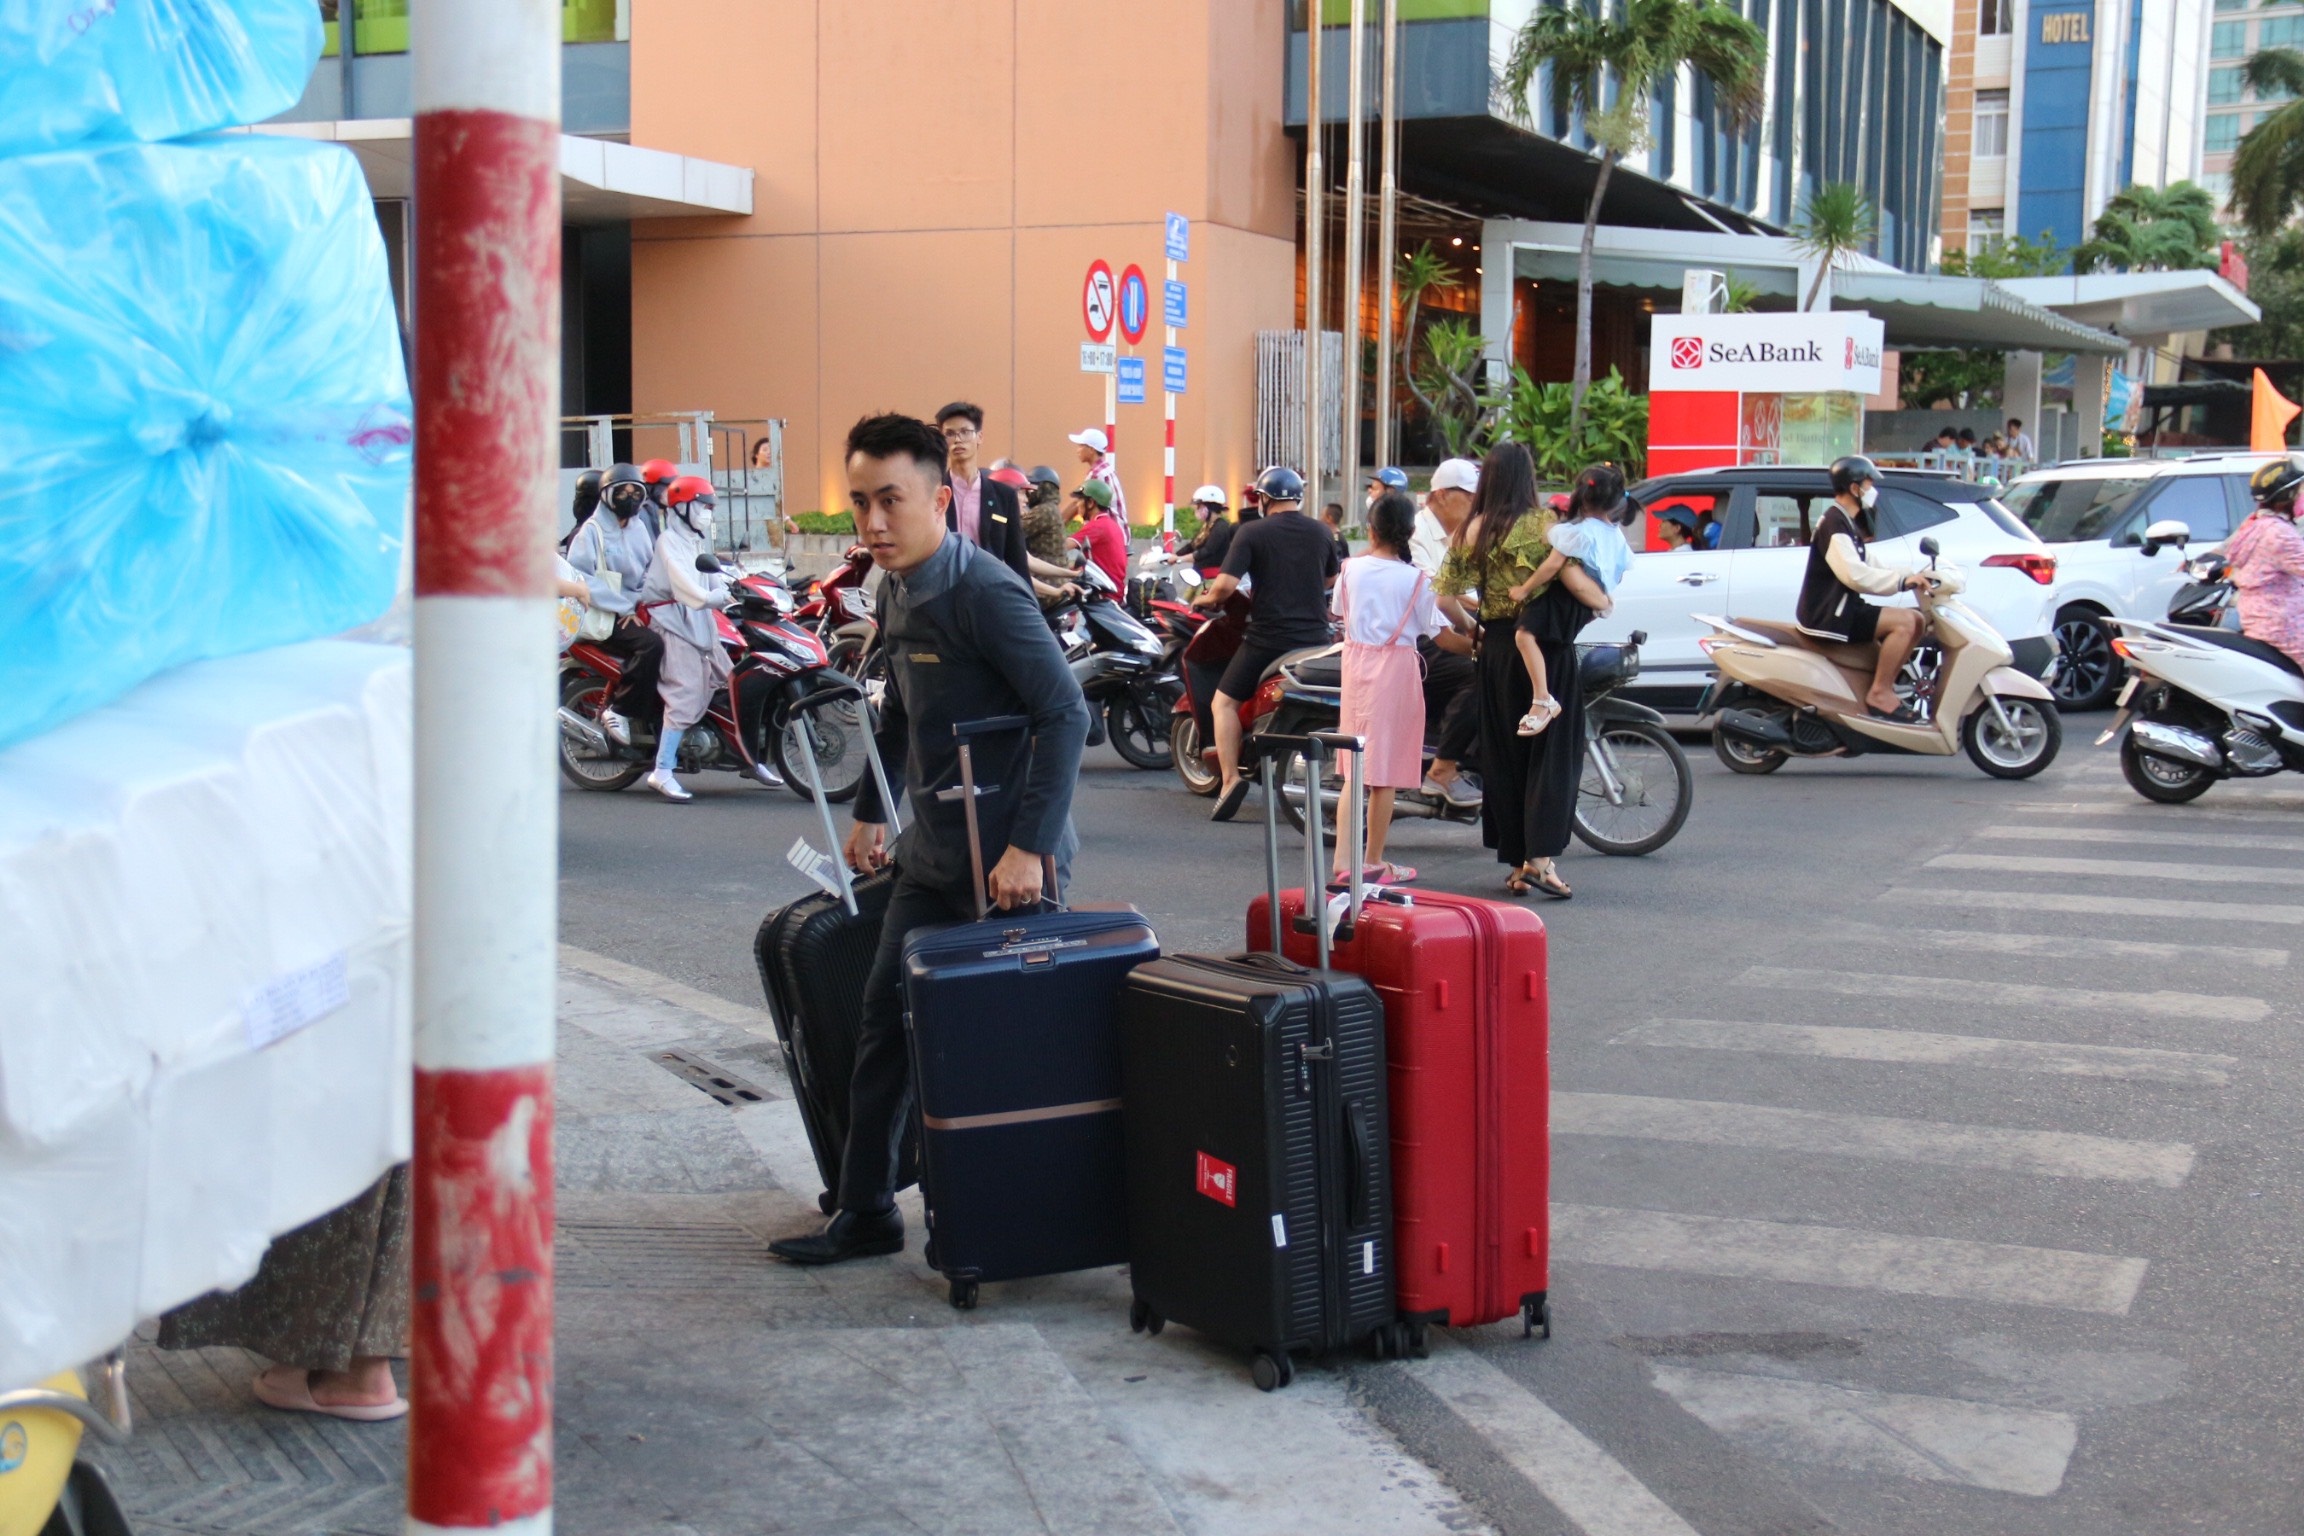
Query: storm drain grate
(595,1255)
(715,1080)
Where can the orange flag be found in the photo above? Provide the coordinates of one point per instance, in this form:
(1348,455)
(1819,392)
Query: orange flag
(2269,416)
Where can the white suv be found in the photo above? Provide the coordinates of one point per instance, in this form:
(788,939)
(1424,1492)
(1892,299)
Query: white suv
(1765,518)
(2092,514)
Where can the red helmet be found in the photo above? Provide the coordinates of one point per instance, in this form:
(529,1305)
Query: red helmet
(657,471)
(1011,475)
(686,489)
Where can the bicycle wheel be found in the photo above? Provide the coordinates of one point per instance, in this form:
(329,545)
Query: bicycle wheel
(1636,788)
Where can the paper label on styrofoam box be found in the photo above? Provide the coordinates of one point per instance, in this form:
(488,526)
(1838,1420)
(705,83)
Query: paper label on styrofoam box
(290,1002)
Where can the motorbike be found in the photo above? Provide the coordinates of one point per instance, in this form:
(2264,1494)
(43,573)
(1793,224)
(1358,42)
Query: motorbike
(46,1486)
(1162,577)
(2203,702)
(1783,694)
(839,611)
(748,728)
(1199,666)
(1121,667)
(1633,794)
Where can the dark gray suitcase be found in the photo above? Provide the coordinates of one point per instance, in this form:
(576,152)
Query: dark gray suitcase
(1259,1146)
(1016,1069)
(813,956)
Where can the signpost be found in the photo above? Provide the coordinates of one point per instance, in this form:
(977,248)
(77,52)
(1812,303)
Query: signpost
(1099,307)
(1131,372)
(1178,248)
(1135,304)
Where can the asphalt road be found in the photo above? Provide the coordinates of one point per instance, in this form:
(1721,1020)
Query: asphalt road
(1926,1148)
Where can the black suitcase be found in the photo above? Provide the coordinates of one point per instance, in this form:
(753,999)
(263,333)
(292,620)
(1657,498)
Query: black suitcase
(813,957)
(1259,1146)
(1016,1070)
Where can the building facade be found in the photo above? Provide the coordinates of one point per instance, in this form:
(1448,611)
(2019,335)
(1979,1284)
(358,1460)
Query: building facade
(2053,106)
(2235,31)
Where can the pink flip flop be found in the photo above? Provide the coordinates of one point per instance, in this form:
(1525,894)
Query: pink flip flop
(299,1399)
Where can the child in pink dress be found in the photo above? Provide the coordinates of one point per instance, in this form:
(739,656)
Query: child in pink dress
(1387,606)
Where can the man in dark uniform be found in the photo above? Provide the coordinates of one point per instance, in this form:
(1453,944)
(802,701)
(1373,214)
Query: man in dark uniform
(965,641)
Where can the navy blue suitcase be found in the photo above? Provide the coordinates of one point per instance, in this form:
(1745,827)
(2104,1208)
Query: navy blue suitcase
(1016,1070)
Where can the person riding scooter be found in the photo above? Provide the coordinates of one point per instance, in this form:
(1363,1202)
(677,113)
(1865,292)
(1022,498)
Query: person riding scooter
(684,605)
(2265,558)
(1832,595)
(613,554)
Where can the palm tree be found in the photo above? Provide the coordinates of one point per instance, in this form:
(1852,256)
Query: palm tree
(1836,224)
(1636,49)
(2150,229)
(2268,169)
(1418,272)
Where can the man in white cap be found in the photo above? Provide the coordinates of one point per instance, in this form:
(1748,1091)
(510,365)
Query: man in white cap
(1096,452)
(1446,505)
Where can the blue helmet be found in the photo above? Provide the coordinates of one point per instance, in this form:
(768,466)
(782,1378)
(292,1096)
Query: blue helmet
(1280,483)
(1391,477)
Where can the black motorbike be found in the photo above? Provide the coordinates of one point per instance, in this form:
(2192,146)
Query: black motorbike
(2206,598)
(1632,797)
(1122,669)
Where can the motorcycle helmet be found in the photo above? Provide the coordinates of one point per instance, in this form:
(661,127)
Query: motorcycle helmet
(1043,475)
(623,490)
(1847,471)
(2275,484)
(587,493)
(658,473)
(1209,496)
(1010,475)
(1279,483)
(689,488)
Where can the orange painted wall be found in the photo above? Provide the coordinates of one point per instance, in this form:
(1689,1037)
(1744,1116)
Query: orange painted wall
(932,178)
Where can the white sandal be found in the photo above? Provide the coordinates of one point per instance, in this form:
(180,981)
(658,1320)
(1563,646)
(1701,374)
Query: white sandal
(1540,714)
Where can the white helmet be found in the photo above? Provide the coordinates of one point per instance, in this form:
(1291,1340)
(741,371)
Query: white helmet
(1209,496)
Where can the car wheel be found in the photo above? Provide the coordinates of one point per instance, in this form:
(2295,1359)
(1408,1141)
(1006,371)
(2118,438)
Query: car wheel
(2087,672)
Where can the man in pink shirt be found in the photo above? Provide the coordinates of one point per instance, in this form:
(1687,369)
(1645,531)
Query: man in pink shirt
(984,511)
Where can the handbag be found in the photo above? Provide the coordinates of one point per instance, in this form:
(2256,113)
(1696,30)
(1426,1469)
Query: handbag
(598,623)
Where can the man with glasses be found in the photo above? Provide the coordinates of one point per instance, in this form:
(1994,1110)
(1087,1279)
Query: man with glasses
(983,510)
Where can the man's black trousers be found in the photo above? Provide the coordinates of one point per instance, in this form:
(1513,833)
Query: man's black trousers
(880,1094)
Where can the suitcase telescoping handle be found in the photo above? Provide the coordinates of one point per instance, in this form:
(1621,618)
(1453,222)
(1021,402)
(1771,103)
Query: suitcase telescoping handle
(963,736)
(798,713)
(1317,748)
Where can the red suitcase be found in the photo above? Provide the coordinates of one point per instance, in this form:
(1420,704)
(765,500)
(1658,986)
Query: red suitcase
(1468,1034)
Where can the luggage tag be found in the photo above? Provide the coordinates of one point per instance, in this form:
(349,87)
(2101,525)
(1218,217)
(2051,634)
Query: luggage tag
(818,867)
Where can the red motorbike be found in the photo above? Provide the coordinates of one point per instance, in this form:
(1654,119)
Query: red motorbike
(1191,728)
(748,729)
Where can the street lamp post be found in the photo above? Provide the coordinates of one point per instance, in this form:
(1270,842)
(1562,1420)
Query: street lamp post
(1387,231)
(1315,215)
(1355,262)
(486,85)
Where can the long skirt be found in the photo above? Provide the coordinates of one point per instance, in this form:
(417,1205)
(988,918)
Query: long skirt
(1528,800)
(330,1292)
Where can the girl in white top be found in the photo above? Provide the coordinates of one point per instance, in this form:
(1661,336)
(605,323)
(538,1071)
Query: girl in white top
(1387,606)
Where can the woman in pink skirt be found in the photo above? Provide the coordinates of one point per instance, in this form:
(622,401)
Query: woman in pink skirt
(1386,604)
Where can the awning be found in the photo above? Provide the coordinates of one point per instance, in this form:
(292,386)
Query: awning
(2194,392)
(1926,310)
(2141,304)
(601,181)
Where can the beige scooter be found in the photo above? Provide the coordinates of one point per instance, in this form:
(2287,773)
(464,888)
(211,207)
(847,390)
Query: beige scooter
(1783,694)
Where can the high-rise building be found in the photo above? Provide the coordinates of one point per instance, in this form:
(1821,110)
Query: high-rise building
(2053,106)
(2232,109)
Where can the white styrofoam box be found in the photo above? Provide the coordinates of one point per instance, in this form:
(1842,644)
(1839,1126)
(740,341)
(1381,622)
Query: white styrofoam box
(71,1224)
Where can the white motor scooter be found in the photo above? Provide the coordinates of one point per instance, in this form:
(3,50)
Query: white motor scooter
(2206,704)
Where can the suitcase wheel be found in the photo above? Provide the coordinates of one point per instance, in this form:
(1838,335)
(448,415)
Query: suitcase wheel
(1272,1371)
(1142,1319)
(1535,1317)
(964,1295)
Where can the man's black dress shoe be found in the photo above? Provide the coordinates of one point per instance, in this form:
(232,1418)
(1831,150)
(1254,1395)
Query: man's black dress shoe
(849,1235)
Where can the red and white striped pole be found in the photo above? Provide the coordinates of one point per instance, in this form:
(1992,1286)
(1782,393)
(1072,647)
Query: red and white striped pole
(487,259)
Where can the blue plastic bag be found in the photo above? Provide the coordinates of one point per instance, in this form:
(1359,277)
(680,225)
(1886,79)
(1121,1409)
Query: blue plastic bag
(87,71)
(204,417)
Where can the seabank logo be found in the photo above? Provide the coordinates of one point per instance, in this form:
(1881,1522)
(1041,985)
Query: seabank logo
(1687,352)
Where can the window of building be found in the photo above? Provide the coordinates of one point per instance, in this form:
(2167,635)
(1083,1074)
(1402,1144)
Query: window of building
(1991,123)
(2223,133)
(2228,40)
(1995,18)
(2224,86)
(2231,5)
(1986,228)
(2280,32)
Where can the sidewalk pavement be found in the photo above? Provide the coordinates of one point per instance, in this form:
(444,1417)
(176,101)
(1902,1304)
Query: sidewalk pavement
(706,1389)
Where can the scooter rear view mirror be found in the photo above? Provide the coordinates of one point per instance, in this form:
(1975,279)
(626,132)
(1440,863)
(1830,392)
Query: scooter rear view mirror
(1930,548)
(708,562)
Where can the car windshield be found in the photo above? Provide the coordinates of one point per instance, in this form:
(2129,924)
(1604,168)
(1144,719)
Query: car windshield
(2062,511)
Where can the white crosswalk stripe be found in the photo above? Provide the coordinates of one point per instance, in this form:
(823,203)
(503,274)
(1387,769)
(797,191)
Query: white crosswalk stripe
(1581,1480)
(2095,906)
(1955,991)
(2124,835)
(1928,1439)
(2134,808)
(2060,945)
(1951,1268)
(2122,869)
(1921,1048)
(2055,1154)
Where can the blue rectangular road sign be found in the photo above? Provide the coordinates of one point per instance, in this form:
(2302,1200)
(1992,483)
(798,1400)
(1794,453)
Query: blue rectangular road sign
(1179,237)
(1172,370)
(1131,381)
(1172,305)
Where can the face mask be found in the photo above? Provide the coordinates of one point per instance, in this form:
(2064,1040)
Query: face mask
(1870,498)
